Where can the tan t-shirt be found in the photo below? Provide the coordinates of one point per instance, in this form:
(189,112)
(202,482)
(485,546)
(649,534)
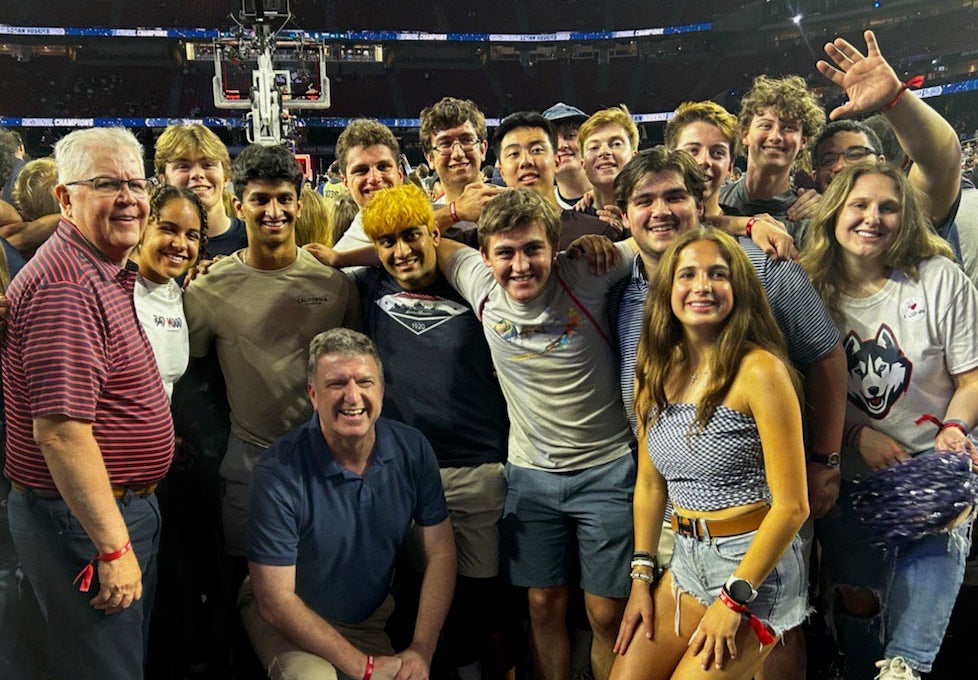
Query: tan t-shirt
(262,322)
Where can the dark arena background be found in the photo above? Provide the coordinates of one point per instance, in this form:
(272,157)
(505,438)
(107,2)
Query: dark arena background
(147,65)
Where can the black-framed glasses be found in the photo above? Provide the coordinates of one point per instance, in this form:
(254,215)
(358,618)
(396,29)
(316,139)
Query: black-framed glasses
(853,154)
(445,146)
(111,186)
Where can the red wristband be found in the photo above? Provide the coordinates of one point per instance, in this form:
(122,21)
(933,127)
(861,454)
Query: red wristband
(84,577)
(453,212)
(369,670)
(956,424)
(760,630)
(915,81)
(749,229)
(943,424)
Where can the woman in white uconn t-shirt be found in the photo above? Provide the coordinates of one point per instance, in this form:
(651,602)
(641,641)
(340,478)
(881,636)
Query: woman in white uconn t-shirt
(907,315)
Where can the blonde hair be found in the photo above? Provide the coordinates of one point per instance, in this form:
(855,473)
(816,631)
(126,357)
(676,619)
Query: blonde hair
(703,112)
(914,241)
(227,199)
(396,208)
(616,115)
(34,189)
(313,225)
(187,141)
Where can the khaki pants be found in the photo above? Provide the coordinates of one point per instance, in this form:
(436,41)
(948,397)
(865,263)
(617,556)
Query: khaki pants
(286,661)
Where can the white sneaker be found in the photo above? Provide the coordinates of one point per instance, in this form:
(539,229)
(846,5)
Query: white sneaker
(896,669)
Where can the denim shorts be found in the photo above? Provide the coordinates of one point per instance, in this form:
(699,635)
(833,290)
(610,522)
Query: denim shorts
(700,568)
(547,514)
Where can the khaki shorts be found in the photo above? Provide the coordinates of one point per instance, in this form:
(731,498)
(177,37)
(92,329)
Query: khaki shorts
(285,660)
(475,497)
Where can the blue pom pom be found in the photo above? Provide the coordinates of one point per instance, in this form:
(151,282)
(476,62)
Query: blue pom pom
(915,498)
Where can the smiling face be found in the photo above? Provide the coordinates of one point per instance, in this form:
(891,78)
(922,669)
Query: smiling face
(370,169)
(408,255)
(711,150)
(347,393)
(660,209)
(868,222)
(269,208)
(171,243)
(461,165)
(521,259)
(606,150)
(772,142)
(837,145)
(527,160)
(702,295)
(113,223)
(204,176)
(568,151)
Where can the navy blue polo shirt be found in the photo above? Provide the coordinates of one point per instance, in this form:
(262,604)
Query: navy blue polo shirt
(342,531)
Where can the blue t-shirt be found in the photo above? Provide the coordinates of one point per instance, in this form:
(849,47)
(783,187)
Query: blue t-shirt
(341,531)
(231,241)
(434,333)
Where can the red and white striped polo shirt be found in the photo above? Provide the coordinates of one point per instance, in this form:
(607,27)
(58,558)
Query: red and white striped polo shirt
(74,347)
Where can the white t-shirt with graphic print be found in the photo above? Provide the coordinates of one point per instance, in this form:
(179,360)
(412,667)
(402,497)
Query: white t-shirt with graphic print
(903,344)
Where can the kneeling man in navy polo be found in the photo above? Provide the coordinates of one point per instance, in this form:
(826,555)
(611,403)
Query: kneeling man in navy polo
(331,504)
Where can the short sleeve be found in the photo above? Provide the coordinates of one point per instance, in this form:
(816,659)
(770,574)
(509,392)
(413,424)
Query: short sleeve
(70,363)
(431,508)
(198,320)
(469,275)
(273,533)
(808,328)
(958,328)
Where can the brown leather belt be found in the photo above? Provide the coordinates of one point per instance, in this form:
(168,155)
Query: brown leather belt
(705,529)
(119,491)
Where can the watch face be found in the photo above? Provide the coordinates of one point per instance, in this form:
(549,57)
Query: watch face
(833,460)
(740,590)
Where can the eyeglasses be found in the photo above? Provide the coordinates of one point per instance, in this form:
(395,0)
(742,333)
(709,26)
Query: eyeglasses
(852,154)
(445,146)
(112,186)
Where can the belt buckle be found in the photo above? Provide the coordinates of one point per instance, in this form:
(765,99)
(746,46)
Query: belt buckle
(692,527)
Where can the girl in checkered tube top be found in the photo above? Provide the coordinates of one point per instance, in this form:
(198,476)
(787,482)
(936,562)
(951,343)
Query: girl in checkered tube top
(720,433)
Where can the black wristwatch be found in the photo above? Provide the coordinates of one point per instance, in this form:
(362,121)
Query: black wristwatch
(740,590)
(832,460)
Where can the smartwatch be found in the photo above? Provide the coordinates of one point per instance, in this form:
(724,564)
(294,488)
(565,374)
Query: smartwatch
(832,460)
(740,590)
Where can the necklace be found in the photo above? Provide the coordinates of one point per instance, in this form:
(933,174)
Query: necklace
(695,375)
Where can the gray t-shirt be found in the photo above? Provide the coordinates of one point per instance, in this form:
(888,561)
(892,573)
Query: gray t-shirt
(967,222)
(734,200)
(557,369)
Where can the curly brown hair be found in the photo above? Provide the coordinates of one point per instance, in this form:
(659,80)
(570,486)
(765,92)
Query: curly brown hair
(790,97)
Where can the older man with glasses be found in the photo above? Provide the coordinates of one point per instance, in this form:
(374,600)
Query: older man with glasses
(89,432)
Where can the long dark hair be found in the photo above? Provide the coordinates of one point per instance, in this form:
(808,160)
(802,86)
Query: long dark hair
(662,346)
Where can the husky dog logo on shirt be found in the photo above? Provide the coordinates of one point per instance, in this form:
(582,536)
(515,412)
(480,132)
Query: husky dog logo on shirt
(879,372)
